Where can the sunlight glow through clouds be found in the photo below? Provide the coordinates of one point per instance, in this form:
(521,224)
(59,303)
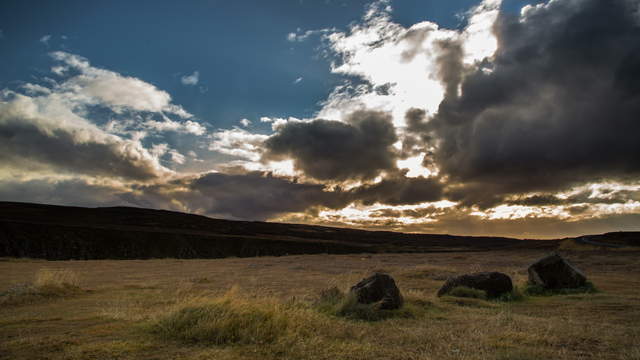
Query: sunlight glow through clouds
(520,211)
(238,142)
(414,165)
(478,38)
(388,57)
(284,168)
(354,213)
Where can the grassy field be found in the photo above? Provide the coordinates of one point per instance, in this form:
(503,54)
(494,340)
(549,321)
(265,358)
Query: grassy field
(270,308)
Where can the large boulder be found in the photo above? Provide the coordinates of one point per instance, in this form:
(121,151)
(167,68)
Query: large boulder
(555,272)
(493,283)
(378,288)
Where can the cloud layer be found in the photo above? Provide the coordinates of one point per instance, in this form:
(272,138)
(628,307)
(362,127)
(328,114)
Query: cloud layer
(556,106)
(42,133)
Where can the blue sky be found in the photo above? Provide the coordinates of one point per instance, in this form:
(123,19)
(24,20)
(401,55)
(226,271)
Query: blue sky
(247,67)
(481,117)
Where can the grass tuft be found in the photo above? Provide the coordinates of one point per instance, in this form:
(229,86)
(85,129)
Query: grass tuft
(230,319)
(59,282)
(48,283)
(336,303)
(515,295)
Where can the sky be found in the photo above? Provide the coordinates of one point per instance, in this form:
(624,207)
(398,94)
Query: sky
(508,118)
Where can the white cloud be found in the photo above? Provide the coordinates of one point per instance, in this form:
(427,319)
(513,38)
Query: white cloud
(191,80)
(158,150)
(300,35)
(35,89)
(296,81)
(59,70)
(245,122)
(194,128)
(45,39)
(187,127)
(238,142)
(93,122)
(397,65)
(177,157)
(46,133)
(95,86)
(478,39)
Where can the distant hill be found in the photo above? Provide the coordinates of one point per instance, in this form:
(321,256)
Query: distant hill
(64,232)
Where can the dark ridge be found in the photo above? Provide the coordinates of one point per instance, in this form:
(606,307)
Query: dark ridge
(65,232)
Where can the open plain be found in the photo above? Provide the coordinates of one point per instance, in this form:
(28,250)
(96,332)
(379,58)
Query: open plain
(127,309)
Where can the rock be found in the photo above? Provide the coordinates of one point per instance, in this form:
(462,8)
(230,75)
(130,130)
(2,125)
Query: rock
(555,272)
(378,288)
(493,283)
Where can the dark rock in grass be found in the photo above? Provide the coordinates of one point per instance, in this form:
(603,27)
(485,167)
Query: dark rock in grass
(378,288)
(555,272)
(493,283)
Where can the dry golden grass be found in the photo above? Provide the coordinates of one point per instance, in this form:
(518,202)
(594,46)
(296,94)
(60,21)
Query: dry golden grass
(56,278)
(270,308)
(47,284)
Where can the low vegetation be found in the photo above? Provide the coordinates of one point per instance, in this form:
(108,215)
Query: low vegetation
(334,302)
(463,291)
(47,284)
(537,290)
(155,309)
(230,319)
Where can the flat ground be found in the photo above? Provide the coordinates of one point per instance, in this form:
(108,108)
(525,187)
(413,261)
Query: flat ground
(120,301)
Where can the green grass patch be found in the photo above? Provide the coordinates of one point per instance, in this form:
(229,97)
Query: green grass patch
(537,290)
(467,292)
(336,303)
(515,295)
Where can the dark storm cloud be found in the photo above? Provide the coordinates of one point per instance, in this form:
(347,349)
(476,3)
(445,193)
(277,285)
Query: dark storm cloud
(450,66)
(416,135)
(416,120)
(26,145)
(77,192)
(359,148)
(258,196)
(33,139)
(558,106)
(250,196)
(399,190)
(538,200)
(414,38)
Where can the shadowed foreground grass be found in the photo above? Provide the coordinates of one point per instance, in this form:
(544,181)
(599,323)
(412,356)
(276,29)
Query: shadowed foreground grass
(299,308)
(232,319)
